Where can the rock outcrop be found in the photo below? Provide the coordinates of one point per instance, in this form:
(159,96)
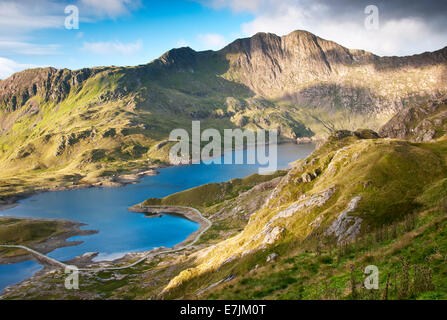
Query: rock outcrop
(48,83)
(419,124)
(346,227)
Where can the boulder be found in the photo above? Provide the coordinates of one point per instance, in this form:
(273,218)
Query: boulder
(272,257)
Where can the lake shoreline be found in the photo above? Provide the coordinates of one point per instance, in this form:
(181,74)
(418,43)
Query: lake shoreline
(59,242)
(51,243)
(122,180)
(125,178)
(183,212)
(132,177)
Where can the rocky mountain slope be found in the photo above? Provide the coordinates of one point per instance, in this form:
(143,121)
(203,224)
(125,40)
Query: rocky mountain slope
(311,71)
(350,187)
(63,127)
(358,200)
(419,123)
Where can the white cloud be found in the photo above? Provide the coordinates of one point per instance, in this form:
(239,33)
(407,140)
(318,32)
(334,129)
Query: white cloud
(19,18)
(110,8)
(212,41)
(395,37)
(235,5)
(282,21)
(19,47)
(8,67)
(113,47)
(27,16)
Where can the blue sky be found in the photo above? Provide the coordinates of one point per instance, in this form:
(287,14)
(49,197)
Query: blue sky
(130,36)
(141,35)
(131,32)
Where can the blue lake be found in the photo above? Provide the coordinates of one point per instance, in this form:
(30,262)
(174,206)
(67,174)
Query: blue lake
(120,231)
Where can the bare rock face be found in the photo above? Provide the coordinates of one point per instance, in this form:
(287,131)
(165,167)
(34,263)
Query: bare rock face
(398,127)
(288,61)
(50,83)
(307,70)
(272,257)
(272,235)
(346,227)
(307,177)
(307,203)
(418,123)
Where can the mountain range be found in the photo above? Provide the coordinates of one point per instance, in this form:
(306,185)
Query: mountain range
(60,127)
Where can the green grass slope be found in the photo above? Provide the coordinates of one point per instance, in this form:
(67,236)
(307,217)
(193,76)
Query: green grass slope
(45,235)
(354,201)
(210,195)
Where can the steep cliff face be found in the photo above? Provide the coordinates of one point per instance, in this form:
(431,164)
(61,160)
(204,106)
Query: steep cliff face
(310,71)
(419,123)
(286,63)
(48,83)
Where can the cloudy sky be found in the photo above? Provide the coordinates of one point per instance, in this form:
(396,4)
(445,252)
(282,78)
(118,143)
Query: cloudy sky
(130,32)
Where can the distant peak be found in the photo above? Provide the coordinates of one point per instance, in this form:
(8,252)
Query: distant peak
(184,56)
(268,38)
(266,35)
(300,32)
(263,35)
(183,49)
(178,51)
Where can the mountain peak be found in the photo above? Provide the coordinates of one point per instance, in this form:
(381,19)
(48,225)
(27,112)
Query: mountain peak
(270,38)
(291,60)
(182,57)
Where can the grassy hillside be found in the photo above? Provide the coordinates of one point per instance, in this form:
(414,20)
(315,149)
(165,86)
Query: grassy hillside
(393,182)
(411,258)
(23,231)
(43,235)
(210,195)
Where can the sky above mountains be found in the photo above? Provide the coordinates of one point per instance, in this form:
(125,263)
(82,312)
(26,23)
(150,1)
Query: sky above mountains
(130,32)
